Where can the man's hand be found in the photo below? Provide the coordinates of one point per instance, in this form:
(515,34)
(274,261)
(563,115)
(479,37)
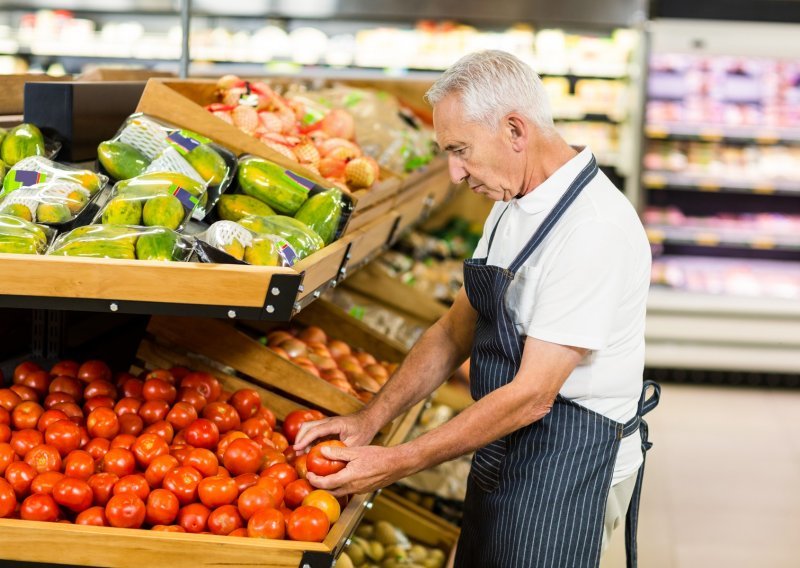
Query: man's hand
(368,468)
(354,430)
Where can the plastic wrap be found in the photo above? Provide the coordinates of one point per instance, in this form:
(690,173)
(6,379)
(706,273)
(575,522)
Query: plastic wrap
(123,242)
(302,239)
(36,170)
(145,145)
(19,236)
(24,141)
(61,204)
(228,242)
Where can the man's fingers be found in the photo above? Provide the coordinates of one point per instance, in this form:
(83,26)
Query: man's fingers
(311,431)
(338,453)
(333,481)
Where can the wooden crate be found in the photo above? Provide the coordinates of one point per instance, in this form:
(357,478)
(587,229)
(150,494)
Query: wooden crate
(238,349)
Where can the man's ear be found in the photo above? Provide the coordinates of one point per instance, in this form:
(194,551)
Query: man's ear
(518,131)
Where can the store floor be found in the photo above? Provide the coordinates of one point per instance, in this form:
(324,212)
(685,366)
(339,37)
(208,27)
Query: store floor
(722,487)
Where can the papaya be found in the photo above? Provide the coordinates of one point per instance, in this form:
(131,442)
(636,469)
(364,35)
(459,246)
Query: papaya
(122,211)
(14,225)
(21,237)
(158,245)
(100,233)
(18,210)
(3,169)
(208,163)
(322,213)
(19,244)
(121,160)
(282,190)
(88,179)
(234,207)
(263,252)
(159,183)
(235,249)
(114,248)
(77,199)
(302,239)
(53,212)
(3,133)
(163,210)
(20,142)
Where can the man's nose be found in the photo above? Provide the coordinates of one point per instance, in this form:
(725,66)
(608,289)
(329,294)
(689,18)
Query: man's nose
(456,167)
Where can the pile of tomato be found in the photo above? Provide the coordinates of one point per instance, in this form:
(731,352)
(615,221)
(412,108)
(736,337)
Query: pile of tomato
(168,450)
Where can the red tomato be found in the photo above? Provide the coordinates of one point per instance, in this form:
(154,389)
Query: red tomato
(243,456)
(132,387)
(180,452)
(24,441)
(98,402)
(159,468)
(131,424)
(44,482)
(267,523)
(97,448)
(8,499)
(7,456)
(93,371)
(168,528)
(161,374)
(183,482)
(153,411)
(226,441)
(44,458)
(267,415)
(325,502)
(124,441)
(67,385)
(246,402)
(79,464)
(25,393)
(194,517)
(126,511)
(295,419)
(319,464)
(23,369)
(202,433)
(255,428)
(274,488)
(162,429)
(281,472)
(99,388)
(162,507)
(20,476)
(93,516)
(102,485)
(63,435)
(216,491)
(179,372)
(271,457)
(158,389)
(119,461)
(279,441)
(38,381)
(181,415)
(295,492)
(5,433)
(207,385)
(148,447)
(135,483)
(5,416)
(49,417)
(65,368)
(85,439)
(255,498)
(192,397)
(202,460)
(225,520)
(238,532)
(127,405)
(223,415)
(246,481)
(26,415)
(70,409)
(9,399)
(39,507)
(74,494)
(307,524)
(102,423)
(56,398)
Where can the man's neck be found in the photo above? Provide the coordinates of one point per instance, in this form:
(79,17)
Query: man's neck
(545,157)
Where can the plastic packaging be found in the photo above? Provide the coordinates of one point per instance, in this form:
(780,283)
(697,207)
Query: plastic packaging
(123,242)
(303,240)
(23,141)
(145,145)
(36,170)
(19,236)
(227,242)
(62,204)
(156,199)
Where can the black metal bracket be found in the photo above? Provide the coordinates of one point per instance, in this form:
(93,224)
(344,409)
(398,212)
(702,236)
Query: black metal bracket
(47,334)
(279,303)
(393,233)
(316,560)
(341,274)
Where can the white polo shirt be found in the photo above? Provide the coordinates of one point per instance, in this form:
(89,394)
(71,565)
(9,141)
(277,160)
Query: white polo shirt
(586,286)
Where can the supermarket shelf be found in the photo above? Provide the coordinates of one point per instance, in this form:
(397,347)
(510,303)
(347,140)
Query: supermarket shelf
(716,133)
(706,237)
(661,179)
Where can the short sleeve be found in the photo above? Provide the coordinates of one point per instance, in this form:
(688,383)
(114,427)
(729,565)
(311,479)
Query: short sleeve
(579,293)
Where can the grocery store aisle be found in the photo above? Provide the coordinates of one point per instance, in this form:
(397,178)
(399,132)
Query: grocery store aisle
(723,481)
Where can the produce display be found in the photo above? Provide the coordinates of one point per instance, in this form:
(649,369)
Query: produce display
(123,242)
(19,236)
(144,145)
(245,245)
(168,450)
(383,545)
(322,140)
(352,371)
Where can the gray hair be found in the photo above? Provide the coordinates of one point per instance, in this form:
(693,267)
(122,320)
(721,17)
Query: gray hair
(492,84)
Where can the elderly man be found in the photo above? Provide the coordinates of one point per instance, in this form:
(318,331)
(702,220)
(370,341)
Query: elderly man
(552,314)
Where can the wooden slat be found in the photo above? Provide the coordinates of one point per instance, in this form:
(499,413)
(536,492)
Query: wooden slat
(364,218)
(382,190)
(417,525)
(403,424)
(136,280)
(221,342)
(323,266)
(371,238)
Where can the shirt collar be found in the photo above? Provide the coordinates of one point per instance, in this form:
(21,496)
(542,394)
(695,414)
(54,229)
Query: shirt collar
(547,193)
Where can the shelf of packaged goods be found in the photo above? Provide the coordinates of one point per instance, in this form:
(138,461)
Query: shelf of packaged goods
(722,238)
(689,330)
(717,133)
(662,179)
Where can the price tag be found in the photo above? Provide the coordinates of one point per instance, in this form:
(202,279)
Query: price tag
(764,189)
(710,134)
(763,243)
(657,132)
(655,236)
(655,181)
(707,239)
(708,185)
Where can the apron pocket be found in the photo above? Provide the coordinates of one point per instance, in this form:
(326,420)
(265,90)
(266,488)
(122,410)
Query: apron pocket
(487,465)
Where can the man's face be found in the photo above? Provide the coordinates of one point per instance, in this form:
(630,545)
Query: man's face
(484,159)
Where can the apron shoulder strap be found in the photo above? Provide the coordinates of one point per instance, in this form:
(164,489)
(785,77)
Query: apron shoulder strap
(494,231)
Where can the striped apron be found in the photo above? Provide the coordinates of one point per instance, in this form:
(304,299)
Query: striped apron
(537,497)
